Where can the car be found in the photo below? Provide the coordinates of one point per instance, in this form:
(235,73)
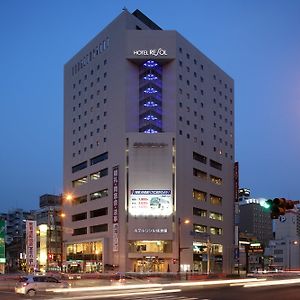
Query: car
(122,278)
(72,276)
(31,284)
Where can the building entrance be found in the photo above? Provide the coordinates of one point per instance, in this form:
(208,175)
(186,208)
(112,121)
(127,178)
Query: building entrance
(149,264)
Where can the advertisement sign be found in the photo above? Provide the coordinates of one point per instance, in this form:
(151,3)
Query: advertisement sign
(115,209)
(31,244)
(150,203)
(2,241)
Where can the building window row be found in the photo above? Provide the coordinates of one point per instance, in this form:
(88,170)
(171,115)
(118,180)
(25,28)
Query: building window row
(203,213)
(93,196)
(93,176)
(199,228)
(91,146)
(79,167)
(93,229)
(93,214)
(202,196)
(203,175)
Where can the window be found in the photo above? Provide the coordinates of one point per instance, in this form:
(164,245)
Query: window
(99,194)
(199,212)
(216,180)
(79,182)
(99,174)
(99,228)
(216,231)
(80,231)
(99,212)
(199,228)
(215,200)
(79,217)
(79,167)
(199,157)
(79,200)
(199,195)
(215,216)
(99,158)
(199,173)
(215,164)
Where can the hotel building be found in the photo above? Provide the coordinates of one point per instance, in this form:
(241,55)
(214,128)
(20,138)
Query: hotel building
(148,153)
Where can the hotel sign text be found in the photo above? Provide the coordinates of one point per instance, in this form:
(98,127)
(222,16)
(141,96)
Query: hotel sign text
(153,52)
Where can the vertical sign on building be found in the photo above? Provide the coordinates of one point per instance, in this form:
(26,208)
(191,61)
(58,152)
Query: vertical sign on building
(236,181)
(115,209)
(2,242)
(236,216)
(31,245)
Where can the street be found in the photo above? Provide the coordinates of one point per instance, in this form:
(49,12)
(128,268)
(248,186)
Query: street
(210,290)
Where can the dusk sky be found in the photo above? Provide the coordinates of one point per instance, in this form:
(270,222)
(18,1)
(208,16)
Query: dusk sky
(256,42)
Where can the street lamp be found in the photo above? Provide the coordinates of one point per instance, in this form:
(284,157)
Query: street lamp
(65,198)
(290,252)
(179,238)
(62,216)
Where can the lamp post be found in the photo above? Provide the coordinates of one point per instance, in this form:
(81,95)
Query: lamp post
(62,216)
(290,252)
(179,241)
(65,198)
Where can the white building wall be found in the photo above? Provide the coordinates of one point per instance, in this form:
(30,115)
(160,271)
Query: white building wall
(101,114)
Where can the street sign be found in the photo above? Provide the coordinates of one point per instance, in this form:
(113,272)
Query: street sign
(282,219)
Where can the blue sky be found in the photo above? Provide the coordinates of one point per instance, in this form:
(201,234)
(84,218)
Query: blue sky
(256,42)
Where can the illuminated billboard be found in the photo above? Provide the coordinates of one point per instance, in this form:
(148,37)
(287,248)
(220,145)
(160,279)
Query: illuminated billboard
(150,203)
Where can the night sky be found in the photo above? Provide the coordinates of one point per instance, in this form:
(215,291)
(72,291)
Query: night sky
(256,42)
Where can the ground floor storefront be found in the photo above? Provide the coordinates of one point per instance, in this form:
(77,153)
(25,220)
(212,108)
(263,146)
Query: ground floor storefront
(145,256)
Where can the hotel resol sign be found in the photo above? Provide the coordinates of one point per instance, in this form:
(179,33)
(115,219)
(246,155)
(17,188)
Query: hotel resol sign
(152,52)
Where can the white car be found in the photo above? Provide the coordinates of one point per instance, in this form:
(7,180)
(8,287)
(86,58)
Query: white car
(31,284)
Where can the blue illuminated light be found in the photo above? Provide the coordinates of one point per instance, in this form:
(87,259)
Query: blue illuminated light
(150,117)
(150,64)
(150,130)
(150,77)
(150,90)
(150,104)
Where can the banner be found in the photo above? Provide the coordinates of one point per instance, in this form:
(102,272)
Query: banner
(31,245)
(115,209)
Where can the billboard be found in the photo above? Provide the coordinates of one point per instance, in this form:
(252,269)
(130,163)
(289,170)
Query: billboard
(150,203)
(2,241)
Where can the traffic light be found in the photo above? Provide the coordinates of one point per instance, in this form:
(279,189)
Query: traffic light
(278,206)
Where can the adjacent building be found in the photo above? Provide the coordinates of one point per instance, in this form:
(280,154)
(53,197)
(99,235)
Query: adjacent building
(148,153)
(255,221)
(284,250)
(15,238)
(49,233)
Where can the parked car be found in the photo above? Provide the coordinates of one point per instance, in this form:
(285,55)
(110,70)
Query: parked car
(30,285)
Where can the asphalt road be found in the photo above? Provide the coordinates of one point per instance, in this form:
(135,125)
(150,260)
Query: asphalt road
(276,292)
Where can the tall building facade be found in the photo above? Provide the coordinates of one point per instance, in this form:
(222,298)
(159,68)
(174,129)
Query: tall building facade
(148,153)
